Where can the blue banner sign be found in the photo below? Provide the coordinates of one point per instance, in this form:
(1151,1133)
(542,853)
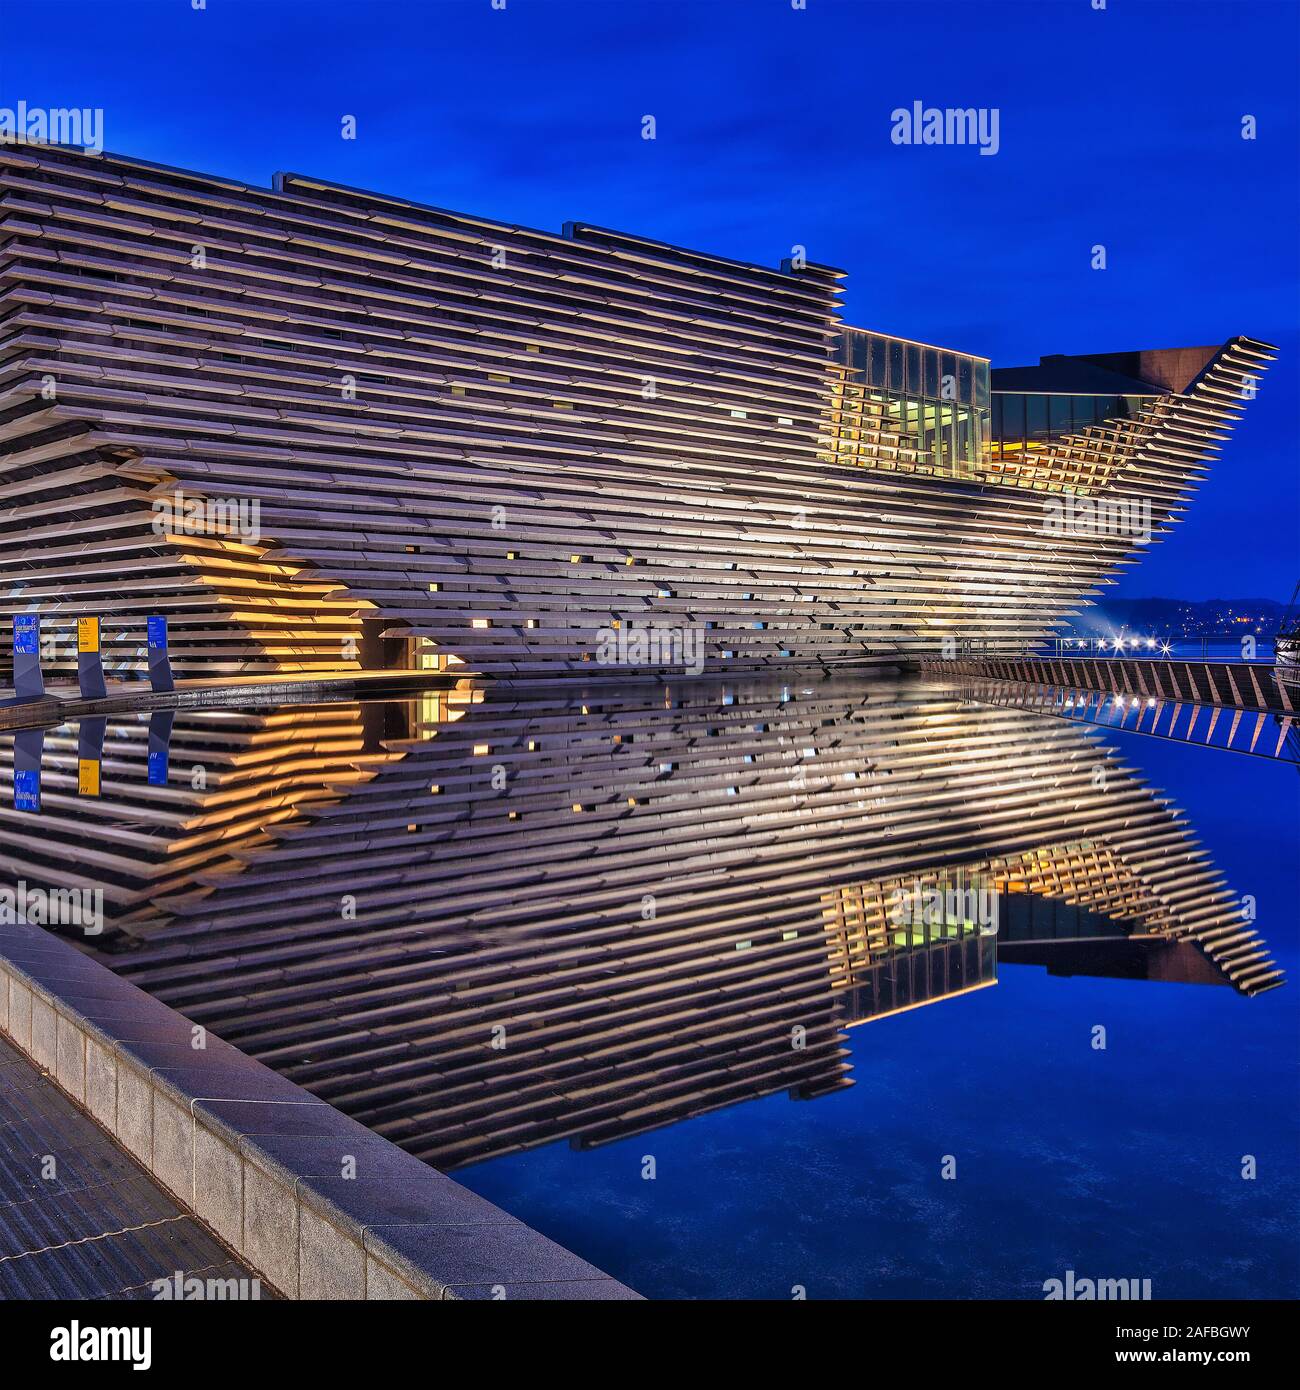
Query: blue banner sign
(27,789)
(29,683)
(160,667)
(160,734)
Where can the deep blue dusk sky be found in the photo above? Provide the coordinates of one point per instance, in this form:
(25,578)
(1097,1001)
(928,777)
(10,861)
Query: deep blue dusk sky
(1120,127)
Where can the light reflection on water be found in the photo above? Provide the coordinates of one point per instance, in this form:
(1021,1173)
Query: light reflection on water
(486,921)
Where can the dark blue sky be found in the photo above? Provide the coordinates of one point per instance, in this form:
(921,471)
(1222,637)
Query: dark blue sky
(1120,127)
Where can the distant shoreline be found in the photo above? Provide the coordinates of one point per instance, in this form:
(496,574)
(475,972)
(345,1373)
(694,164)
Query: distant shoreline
(1188,617)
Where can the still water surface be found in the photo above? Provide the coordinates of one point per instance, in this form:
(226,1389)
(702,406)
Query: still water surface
(644,967)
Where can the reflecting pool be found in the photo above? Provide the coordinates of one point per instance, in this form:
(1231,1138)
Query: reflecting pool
(737,989)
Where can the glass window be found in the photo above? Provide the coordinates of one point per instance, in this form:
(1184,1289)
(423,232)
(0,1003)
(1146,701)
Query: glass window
(876,372)
(914,383)
(896,366)
(930,430)
(1059,416)
(931,373)
(947,376)
(965,380)
(1013,418)
(965,439)
(982,385)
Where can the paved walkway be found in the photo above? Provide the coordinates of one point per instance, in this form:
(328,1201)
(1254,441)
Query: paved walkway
(79,1217)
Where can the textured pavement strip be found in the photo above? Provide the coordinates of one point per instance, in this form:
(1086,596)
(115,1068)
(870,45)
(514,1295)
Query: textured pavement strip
(101,1227)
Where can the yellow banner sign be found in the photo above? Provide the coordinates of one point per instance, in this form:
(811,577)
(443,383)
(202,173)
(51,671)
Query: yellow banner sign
(87,634)
(87,776)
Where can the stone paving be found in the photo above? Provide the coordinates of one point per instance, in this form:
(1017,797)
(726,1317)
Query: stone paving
(79,1217)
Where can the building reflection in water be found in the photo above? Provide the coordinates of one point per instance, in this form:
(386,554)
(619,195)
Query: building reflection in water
(495,918)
